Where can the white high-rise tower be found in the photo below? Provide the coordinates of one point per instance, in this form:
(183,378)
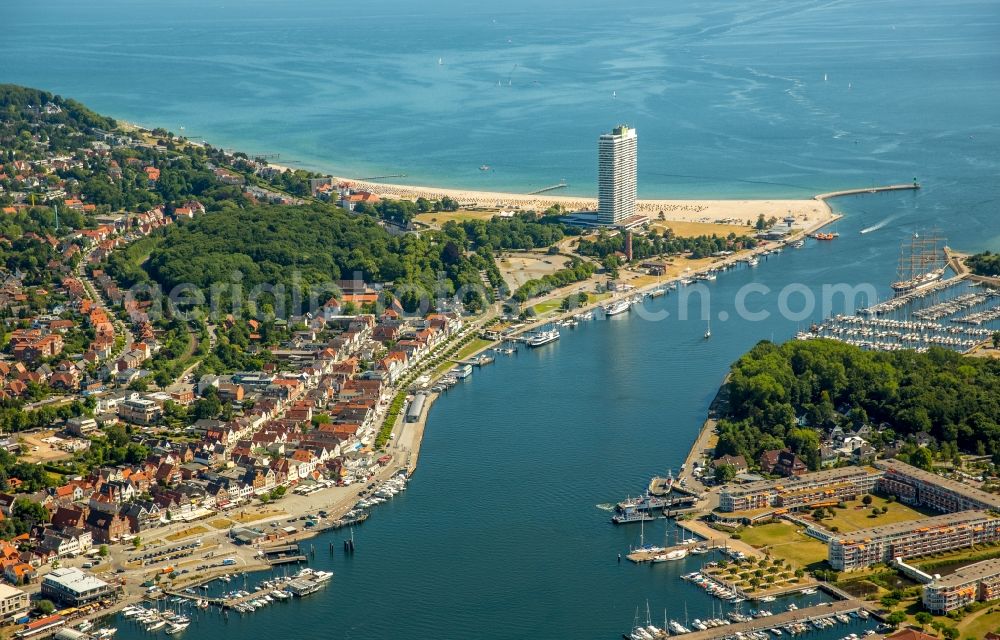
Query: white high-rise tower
(616,170)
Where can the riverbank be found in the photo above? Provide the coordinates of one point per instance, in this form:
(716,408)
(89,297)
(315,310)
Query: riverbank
(404,447)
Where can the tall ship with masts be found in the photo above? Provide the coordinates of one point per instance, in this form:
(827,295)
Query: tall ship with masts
(921,263)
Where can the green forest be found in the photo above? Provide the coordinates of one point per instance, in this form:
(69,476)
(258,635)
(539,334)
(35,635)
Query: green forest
(784,395)
(984,264)
(655,244)
(312,245)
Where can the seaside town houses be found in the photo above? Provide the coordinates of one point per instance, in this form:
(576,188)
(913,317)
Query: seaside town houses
(308,418)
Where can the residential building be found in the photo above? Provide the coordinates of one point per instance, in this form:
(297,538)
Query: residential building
(804,491)
(789,465)
(926,489)
(81,426)
(976,582)
(139,410)
(616,175)
(867,547)
(13,603)
(73,587)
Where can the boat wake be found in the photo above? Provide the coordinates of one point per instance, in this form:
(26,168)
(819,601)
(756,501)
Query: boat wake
(876,227)
(606,506)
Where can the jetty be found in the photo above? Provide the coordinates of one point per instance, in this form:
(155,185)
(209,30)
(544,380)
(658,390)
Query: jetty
(640,555)
(386,177)
(853,192)
(779,620)
(283,554)
(562,185)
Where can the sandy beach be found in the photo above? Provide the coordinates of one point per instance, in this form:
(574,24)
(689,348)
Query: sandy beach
(809,211)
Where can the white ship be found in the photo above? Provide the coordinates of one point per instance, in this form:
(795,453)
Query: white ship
(613,309)
(542,338)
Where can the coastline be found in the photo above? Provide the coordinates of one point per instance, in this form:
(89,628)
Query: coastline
(807,210)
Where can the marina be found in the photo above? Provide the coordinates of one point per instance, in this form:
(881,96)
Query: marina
(762,624)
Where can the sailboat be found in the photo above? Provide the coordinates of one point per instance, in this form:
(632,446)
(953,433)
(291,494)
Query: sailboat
(642,541)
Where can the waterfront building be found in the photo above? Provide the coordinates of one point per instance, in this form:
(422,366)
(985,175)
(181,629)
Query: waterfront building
(867,547)
(71,586)
(916,486)
(976,582)
(804,491)
(616,175)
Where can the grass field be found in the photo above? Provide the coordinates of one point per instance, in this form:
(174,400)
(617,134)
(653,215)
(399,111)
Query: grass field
(438,218)
(549,305)
(473,346)
(253,516)
(858,516)
(693,229)
(220,523)
(186,533)
(784,540)
(979,624)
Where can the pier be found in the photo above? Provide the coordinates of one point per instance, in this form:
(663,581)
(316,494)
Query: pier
(283,554)
(640,556)
(853,192)
(391,175)
(805,615)
(562,185)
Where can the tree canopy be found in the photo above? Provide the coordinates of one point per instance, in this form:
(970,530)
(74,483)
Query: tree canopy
(785,395)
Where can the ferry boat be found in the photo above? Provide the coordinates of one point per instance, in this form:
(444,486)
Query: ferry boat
(631,515)
(543,338)
(462,371)
(615,308)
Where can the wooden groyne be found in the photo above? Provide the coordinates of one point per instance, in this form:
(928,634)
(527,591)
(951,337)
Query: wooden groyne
(853,192)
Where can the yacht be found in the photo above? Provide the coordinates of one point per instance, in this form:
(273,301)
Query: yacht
(613,309)
(676,554)
(177,628)
(543,338)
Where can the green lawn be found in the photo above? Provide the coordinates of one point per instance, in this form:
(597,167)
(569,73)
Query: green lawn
(858,516)
(545,307)
(783,540)
(474,345)
(979,624)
